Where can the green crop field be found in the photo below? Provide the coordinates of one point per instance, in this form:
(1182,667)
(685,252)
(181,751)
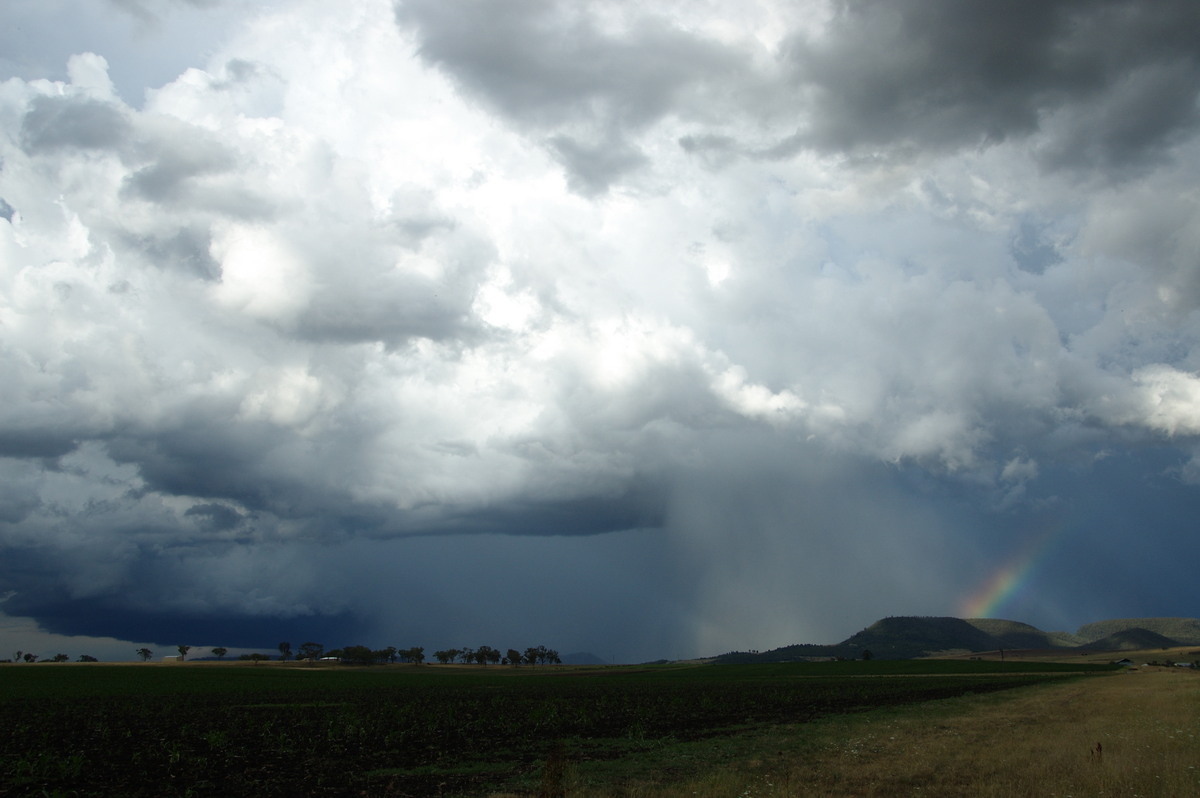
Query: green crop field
(417,731)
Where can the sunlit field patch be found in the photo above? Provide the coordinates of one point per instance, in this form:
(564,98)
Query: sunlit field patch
(1134,734)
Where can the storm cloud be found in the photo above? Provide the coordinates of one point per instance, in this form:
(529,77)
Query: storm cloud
(1102,83)
(648,332)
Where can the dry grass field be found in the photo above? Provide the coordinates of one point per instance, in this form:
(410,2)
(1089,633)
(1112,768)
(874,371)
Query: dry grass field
(1129,734)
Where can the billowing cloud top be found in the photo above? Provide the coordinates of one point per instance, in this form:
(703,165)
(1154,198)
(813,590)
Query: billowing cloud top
(748,284)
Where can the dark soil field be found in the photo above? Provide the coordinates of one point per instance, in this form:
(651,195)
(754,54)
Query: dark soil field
(159,730)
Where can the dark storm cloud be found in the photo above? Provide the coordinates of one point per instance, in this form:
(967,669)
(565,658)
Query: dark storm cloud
(1094,84)
(214,456)
(638,506)
(551,67)
(1131,125)
(592,169)
(146,583)
(221,516)
(109,616)
(25,442)
(55,123)
(174,163)
(16,503)
(238,463)
(545,64)
(318,333)
(1110,81)
(443,590)
(715,149)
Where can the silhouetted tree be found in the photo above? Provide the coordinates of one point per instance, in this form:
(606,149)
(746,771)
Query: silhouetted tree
(145,654)
(219,652)
(285,651)
(30,657)
(359,655)
(513,656)
(541,655)
(445,656)
(415,655)
(183,650)
(311,650)
(87,658)
(487,654)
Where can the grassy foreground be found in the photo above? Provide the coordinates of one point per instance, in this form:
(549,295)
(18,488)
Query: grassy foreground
(833,729)
(1129,734)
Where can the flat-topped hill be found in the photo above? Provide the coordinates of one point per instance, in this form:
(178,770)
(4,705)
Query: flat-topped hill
(906,637)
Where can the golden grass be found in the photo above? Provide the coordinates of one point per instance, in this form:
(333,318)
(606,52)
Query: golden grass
(1129,734)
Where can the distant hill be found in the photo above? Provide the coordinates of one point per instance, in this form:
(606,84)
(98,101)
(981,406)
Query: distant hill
(1131,640)
(907,637)
(1184,630)
(1014,634)
(801,652)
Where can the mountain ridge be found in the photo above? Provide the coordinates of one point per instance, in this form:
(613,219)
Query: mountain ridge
(909,637)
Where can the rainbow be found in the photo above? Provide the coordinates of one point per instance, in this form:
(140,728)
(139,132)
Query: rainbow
(1008,580)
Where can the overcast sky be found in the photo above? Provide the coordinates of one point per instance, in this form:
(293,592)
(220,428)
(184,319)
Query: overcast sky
(651,330)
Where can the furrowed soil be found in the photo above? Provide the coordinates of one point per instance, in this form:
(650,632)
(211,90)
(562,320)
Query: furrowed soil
(880,728)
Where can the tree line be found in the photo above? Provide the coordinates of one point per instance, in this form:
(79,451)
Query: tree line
(29,656)
(363,655)
(358,655)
